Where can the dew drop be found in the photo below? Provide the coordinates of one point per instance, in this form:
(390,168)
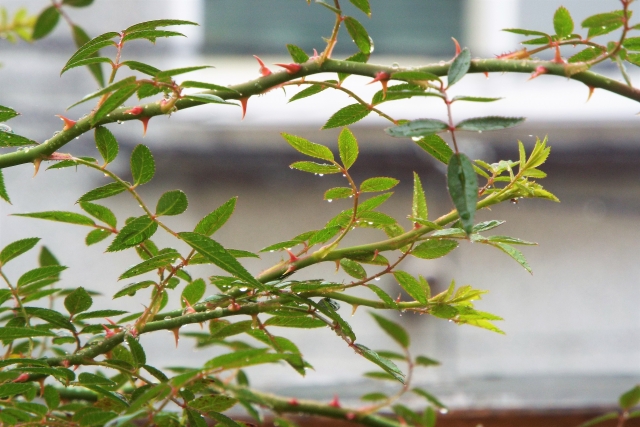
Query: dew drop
(530,136)
(377,278)
(243,289)
(167,318)
(107,175)
(56,132)
(479,131)
(344,175)
(321,174)
(77,137)
(370,223)
(329,200)
(5,128)
(395,65)
(119,122)
(271,250)
(444,411)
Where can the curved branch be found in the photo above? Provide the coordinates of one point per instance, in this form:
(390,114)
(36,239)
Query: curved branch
(264,84)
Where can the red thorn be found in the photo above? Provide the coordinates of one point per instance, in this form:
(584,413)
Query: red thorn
(108,332)
(519,54)
(558,58)
(350,416)
(383,78)
(65,363)
(243,102)
(291,269)
(591,90)
(335,402)
(375,254)
(292,257)
(176,334)
(41,381)
(111,321)
(315,55)
(21,378)
(399,298)
(263,68)
(234,306)
(145,123)
(189,308)
(68,123)
(540,70)
(293,402)
(458,50)
(135,110)
(291,68)
(486,74)
(36,166)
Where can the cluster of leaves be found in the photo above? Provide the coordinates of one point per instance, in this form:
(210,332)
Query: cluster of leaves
(121,387)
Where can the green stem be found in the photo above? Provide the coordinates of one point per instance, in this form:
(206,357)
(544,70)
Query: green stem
(264,84)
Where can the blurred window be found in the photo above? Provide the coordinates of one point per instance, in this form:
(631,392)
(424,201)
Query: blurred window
(410,27)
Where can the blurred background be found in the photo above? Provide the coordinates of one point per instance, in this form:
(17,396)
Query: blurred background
(572,328)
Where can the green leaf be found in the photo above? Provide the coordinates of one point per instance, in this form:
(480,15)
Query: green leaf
(338,193)
(297,54)
(526,32)
(139,357)
(607,20)
(150,35)
(13,333)
(359,35)
(143,167)
(17,248)
(513,253)
(347,115)
(40,273)
(486,225)
(411,286)
(51,397)
(434,248)
(419,205)
(363,5)
(92,47)
(98,313)
(172,203)
(213,403)
(193,292)
(317,168)
(419,127)
(106,144)
(132,288)
(311,90)
(152,25)
(12,389)
(9,139)
(215,253)
(159,261)
(353,268)
(394,330)
(323,235)
(509,240)
(201,85)
(630,398)
(378,184)
(308,148)
(142,67)
(134,233)
(303,322)
(374,397)
(428,396)
(242,358)
(459,67)
(474,99)
(348,148)
(426,361)
(208,98)
(92,61)
(122,84)
(7,113)
(96,236)
(178,71)
(562,22)
(77,3)
(103,192)
(93,379)
(632,43)
(46,22)
(60,216)
(463,188)
(385,364)
(602,418)
(100,212)
(489,123)
(3,190)
(216,219)
(115,100)
(78,301)
(50,316)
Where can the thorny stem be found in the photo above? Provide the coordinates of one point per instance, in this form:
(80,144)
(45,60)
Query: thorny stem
(257,86)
